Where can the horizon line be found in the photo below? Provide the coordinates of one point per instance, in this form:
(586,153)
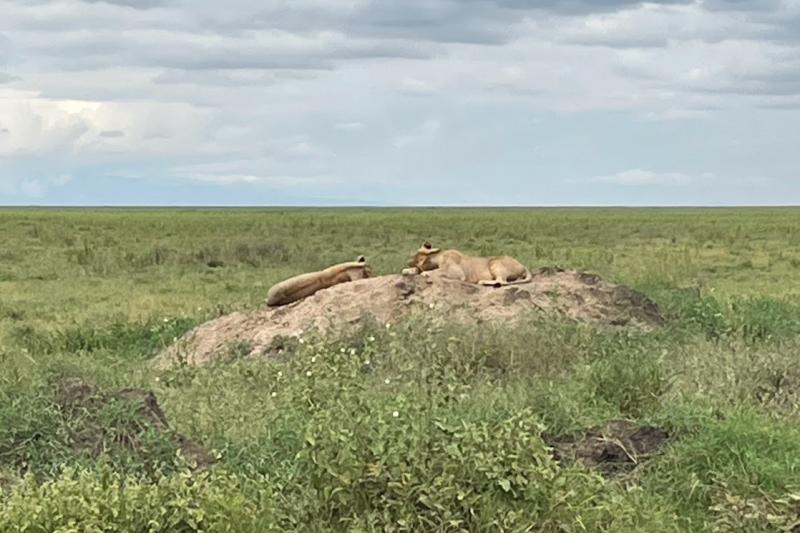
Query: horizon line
(384,206)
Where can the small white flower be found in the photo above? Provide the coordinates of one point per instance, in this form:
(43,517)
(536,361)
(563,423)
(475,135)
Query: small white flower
(314,359)
(274,394)
(352,351)
(430,305)
(301,341)
(386,381)
(395,414)
(199,308)
(166,320)
(371,338)
(341,350)
(158,379)
(366,362)
(308,373)
(388,325)
(280,373)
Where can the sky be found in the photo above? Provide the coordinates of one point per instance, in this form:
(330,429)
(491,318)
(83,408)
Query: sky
(388,103)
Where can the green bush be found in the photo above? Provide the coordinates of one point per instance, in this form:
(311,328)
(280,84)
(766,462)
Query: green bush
(104,500)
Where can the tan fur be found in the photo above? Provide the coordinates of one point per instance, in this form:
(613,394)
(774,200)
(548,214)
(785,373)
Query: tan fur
(491,271)
(305,285)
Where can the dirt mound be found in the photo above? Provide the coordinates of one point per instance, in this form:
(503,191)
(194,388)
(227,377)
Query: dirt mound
(118,421)
(578,295)
(616,447)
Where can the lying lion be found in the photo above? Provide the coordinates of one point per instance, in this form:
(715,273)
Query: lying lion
(490,271)
(304,285)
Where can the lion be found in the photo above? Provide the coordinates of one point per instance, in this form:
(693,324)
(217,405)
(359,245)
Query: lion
(305,285)
(489,271)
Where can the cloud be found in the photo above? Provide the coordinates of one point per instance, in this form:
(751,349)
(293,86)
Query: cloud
(282,182)
(226,78)
(424,134)
(36,126)
(31,188)
(281,94)
(61,179)
(350,126)
(641,177)
(135,4)
(415,87)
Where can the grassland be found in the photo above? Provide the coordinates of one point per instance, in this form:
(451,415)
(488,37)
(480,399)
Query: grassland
(415,428)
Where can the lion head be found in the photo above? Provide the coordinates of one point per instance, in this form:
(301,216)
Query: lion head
(423,259)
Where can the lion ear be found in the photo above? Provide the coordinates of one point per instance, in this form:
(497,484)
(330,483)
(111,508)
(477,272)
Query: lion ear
(427,245)
(361,259)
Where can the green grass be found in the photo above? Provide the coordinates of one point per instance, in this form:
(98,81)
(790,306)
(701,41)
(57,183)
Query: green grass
(418,427)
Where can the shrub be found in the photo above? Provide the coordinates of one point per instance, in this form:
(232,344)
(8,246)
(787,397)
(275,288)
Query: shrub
(103,500)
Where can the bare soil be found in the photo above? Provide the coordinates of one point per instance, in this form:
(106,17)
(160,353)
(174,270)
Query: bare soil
(616,447)
(81,401)
(552,292)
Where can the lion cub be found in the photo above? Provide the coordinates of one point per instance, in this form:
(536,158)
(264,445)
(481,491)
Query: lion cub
(304,285)
(490,271)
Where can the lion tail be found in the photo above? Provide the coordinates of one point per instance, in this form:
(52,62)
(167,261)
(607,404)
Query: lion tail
(527,277)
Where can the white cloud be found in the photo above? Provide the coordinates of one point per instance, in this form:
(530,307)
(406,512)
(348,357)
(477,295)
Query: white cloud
(33,125)
(282,182)
(61,179)
(37,187)
(304,148)
(416,87)
(32,188)
(424,134)
(640,177)
(350,126)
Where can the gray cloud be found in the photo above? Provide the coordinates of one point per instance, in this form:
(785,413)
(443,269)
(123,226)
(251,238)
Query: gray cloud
(582,6)
(452,21)
(781,104)
(229,77)
(135,4)
(381,91)
(320,34)
(743,5)
(274,50)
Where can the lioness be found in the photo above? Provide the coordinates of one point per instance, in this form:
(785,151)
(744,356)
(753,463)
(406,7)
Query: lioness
(490,271)
(304,285)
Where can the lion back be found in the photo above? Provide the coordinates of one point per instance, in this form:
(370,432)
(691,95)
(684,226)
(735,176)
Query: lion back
(295,288)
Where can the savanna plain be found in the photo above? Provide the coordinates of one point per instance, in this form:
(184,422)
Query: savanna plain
(426,425)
